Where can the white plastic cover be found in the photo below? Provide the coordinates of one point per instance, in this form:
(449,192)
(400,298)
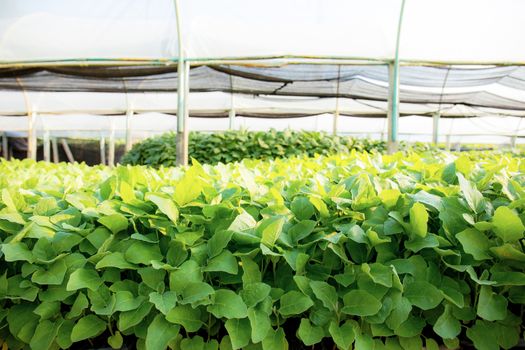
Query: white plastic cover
(442,31)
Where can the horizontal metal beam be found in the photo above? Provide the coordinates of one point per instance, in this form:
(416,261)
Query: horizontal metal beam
(269,60)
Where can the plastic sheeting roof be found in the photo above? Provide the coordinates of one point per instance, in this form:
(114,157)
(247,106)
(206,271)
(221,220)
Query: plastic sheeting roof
(223,36)
(443,31)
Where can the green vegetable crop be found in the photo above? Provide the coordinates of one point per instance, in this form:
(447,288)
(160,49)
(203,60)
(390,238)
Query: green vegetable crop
(345,251)
(232,146)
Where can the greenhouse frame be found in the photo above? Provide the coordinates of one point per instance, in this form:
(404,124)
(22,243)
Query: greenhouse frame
(351,59)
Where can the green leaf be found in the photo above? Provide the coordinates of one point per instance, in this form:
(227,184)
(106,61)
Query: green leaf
(53,275)
(84,278)
(260,324)
(491,306)
(360,303)
(228,304)
(294,303)
(271,229)
(131,318)
(302,208)
(143,253)
(411,343)
(474,198)
(80,304)
(418,219)
(309,334)
(447,326)
(343,335)
(166,206)
(188,188)
(239,331)
(219,241)
(474,243)
(186,316)
(423,295)
(254,293)
(17,251)
(197,292)
(163,302)
(197,343)
(507,225)
(251,272)
(115,259)
(482,336)
(87,327)
(115,340)
(44,336)
(126,301)
(224,262)
(275,340)
(115,222)
(160,332)
(188,272)
(508,252)
(47,309)
(326,293)
(301,230)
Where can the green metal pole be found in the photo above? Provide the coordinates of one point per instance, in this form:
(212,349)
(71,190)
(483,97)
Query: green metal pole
(181,95)
(394,90)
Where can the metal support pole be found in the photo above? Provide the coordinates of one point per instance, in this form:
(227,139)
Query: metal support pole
(129,142)
(54,146)
(435,127)
(393,105)
(31,137)
(448,142)
(231,119)
(186,131)
(336,113)
(336,120)
(111,150)
(393,96)
(5,146)
(182,151)
(47,146)
(102,150)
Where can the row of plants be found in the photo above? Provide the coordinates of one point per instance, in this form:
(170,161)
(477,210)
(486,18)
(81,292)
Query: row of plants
(352,251)
(233,146)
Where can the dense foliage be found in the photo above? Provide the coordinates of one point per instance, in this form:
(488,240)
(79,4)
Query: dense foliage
(375,252)
(232,146)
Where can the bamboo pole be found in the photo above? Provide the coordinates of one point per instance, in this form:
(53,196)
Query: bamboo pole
(67,150)
(54,145)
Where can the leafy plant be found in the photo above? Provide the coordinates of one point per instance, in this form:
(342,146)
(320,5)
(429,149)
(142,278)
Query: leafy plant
(355,250)
(232,146)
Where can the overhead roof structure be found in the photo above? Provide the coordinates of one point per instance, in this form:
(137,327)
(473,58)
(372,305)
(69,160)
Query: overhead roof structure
(274,59)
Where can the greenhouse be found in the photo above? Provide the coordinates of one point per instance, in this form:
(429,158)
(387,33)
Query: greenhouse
(293,174)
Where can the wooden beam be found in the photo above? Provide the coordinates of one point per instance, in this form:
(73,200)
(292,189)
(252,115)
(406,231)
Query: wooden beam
(54,146)
(67,150)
